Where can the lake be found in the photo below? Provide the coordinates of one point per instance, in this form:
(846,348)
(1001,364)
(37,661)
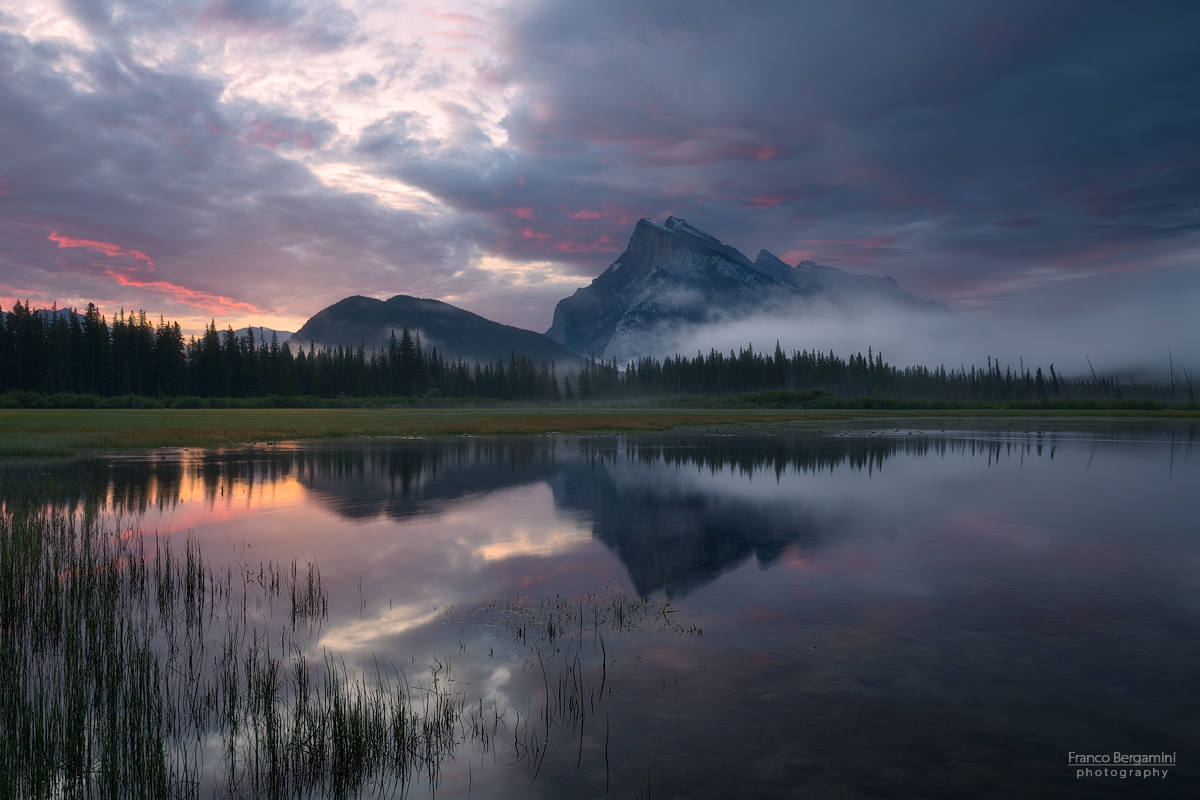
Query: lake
(944,611)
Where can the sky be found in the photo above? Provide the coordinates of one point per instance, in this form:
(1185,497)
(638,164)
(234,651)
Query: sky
(1032,165)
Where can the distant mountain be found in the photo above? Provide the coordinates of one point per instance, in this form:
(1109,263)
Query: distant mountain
(674,277)
(454,332)
(262,334)
(45,313)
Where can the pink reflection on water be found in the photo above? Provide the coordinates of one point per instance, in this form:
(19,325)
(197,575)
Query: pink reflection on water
(954,600)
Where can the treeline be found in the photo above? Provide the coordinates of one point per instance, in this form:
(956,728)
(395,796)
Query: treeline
(68,353)
(869,376)
(56,353)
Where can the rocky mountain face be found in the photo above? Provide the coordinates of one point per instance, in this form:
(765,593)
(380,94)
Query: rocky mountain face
(673,276)
(454,332)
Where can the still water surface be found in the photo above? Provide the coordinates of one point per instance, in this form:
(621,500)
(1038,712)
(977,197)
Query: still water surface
(863,613)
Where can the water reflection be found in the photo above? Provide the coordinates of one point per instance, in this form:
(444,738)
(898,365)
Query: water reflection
(884,612)
(677,509)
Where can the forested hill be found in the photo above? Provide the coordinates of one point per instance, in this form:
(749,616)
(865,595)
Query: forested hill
(454,332)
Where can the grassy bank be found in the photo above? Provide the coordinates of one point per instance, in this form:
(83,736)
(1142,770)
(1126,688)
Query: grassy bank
(67,432)
(64,432)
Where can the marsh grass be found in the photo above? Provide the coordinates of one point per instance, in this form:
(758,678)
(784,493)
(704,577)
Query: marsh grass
(67,432)
(561,640)
(131,669)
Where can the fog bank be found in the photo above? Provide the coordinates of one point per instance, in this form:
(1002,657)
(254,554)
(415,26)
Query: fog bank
(1131,340)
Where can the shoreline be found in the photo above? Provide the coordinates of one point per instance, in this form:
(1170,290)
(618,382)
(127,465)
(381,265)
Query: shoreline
(74,432)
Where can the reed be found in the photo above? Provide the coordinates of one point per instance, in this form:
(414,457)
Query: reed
(129,669)
(561,640)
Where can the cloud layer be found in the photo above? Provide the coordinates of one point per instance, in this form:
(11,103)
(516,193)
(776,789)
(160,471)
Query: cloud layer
(1030,164)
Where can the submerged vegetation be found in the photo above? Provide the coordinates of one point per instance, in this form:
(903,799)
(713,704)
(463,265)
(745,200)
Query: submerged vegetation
(132,667)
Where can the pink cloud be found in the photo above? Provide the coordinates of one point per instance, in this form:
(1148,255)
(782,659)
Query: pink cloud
(127,276)
(619,216)
(214,303)
(763,152)
(565,240)
(450,16)
(108,248)
(598,246)
(529,233)
(273,136)
(704,151)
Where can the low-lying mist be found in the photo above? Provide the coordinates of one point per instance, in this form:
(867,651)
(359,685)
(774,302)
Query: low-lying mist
(904,337)
(1119,325)
(1132,342)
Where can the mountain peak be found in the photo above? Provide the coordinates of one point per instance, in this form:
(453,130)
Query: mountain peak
(772,264)
(675,231)
(671,270)
(674,277)
(681,226)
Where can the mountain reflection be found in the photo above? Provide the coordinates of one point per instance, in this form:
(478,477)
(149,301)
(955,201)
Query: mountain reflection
(677,509)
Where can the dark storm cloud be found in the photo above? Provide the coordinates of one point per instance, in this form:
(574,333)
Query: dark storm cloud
(528,201)
(150,161)
(951,143)
(1036,159)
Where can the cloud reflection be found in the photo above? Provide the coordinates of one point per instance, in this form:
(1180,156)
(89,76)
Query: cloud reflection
(678,510)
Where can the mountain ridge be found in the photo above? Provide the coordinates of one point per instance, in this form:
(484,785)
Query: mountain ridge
(455,332)
(673,288)
(674,277)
